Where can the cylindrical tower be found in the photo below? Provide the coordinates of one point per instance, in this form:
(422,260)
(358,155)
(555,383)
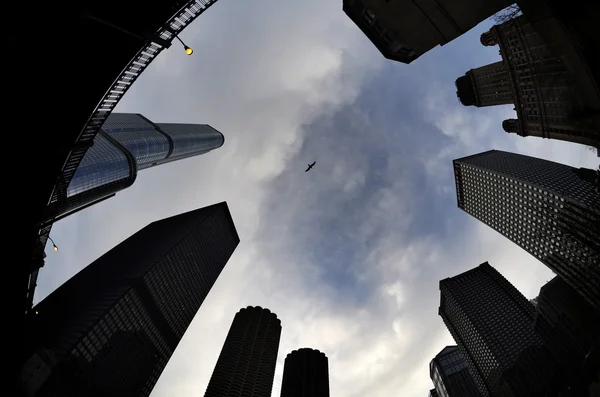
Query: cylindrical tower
(305,374)
(246,365)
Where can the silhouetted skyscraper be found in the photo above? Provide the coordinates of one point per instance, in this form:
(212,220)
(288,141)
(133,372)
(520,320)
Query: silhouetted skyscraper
(450,374)
(404,30)
(305,374)
(111,329)
(246,365)
(126,144)
(492,323)
(568,325)
(547,208)
(544,93)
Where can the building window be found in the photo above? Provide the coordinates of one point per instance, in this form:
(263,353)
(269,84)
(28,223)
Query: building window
(369,17)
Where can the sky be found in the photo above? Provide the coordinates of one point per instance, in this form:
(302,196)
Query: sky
(349,255)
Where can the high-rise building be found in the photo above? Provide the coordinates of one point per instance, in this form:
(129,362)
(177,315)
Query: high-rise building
(492,323)
(549,209)
(451,375)
(305,374)
(246,365)
(404,30)
(536,81)
(568,325)
(111,329)
(126,144)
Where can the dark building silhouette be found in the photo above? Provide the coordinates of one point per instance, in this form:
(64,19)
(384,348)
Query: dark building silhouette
(111,329)
(546,208)
(492,323)
(305,374)
(126,144)
(433,393)
(451,375)
(569,327)
(536,81)
(403,30)
(570,29)
(246,365)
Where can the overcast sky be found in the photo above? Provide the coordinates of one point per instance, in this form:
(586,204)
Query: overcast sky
(349,255)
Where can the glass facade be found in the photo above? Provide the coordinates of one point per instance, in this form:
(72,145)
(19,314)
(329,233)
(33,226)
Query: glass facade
(542,206)
(128,143)
(104,163)
(451,376)
(246,365)
(492,323)
(191,139)
(111,329)
(139,137)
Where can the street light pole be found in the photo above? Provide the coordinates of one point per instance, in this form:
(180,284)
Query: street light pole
(187,49)
(55,246)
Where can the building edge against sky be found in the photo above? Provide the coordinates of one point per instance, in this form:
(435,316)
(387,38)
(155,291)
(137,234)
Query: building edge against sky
(546,95)
(404,30)
(549,209)
(111,328)
(126,144)
(450,374)
(492,323)
(305,374)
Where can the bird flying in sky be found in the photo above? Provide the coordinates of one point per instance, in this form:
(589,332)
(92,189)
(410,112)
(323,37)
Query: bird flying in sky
(310,166)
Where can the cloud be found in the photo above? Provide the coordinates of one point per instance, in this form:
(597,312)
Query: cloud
(349,255)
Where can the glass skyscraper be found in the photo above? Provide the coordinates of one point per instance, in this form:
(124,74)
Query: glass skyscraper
(111,329)
(126,144)
(549,209)
(451,376)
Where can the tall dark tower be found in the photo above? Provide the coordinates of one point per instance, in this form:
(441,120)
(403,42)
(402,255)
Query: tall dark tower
(549,209)
(404,30)
(492,323)
(569,327)
(246,365)
(111,329)
(126,144)
(305,374)
(530,76)
(450,374)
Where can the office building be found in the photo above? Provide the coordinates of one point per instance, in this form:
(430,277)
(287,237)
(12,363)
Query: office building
(128,143)
(568,325)
(451,375)
(404,30)
(549,209)
(492,324)
(536,81)
(246,365)
(111,329)
(305,374)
